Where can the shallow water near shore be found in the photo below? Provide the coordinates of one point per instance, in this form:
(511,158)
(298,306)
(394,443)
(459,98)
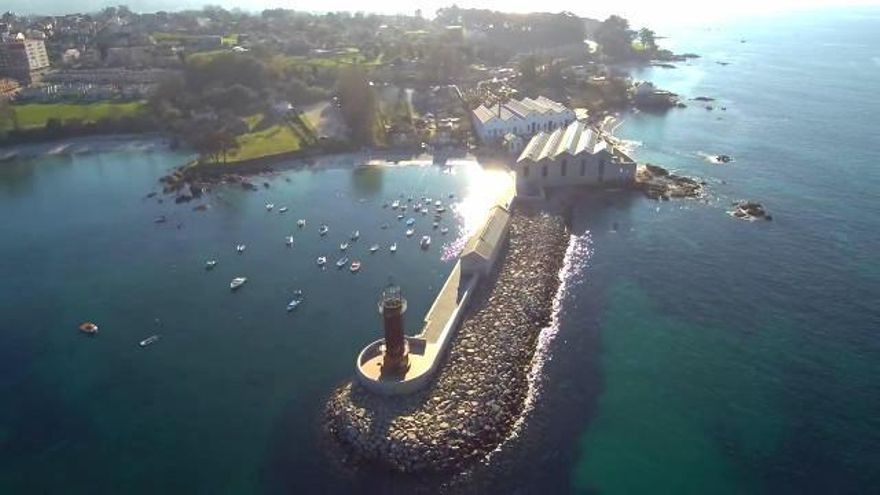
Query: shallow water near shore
(694,353)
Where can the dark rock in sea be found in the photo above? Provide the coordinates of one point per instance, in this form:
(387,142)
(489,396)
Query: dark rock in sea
(266,185)
(248,186)
(200,208)
(722,63)
(183,198)
(152,194)
(710,107)
(723,158)
(703,98)
(657,183)
(750,210)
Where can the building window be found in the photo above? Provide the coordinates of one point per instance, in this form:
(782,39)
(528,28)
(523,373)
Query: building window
(526,171)
(601,170)
(564,167)
(544,171)
(583,167)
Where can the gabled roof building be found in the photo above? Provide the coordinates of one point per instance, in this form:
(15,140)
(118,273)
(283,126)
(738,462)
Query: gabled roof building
(523,117)
(575,155)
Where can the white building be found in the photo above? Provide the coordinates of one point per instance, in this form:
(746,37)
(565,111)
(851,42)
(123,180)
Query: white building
(576,155)
(520,117)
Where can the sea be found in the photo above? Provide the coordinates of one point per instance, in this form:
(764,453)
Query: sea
(690,351)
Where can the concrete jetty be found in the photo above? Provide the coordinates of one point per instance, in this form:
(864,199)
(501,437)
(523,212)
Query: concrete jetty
(478,391)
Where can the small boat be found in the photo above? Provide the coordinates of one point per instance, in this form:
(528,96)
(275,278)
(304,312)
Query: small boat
(393,248)
(400,217)
(355,266)
(409,200)
(282,209)
(418,206)
(288,240)
(240,248)
(89,328)
(149,340)
(440,209)
(355,235)
(323,230)
(410,221)
(322,260)
(343,246)
(342,262)
(210,264)
(384,226)
(425,243)
(301,223)
(438,203)
(237,282)
(424,211)
(385,204)
(436,224)
(403,208)
(269,206)
(444,230)
(396,204)
(410,232)
(451,195)
(160,219)
(296,301)
(374,248)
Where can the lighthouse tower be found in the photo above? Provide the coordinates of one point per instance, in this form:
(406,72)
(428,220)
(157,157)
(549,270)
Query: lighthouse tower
(392,306)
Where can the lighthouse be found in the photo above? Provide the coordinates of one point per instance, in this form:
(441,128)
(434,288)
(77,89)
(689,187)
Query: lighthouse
(395,358)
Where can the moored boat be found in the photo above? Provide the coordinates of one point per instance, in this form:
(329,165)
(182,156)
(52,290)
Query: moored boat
(410,232)
(444,230)
(322,260)
(282,209)
(355,235)
(210,264)
(374,248)
(355,266)
(237,282)
(343,246)
(410,221)
(269,206)
(323,229)
(342,262)
(149,340)
(288,240)
(301,223)
(393,248)
(89,327)
(240,248)
(296,301)
(425,243)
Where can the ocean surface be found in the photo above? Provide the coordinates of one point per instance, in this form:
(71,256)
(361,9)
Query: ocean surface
(691,352)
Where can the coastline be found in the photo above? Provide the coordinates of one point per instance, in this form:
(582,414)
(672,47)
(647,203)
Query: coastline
(85,144)
(481,391)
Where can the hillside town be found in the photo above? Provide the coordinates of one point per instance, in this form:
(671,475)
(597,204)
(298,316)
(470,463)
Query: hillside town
(242,88)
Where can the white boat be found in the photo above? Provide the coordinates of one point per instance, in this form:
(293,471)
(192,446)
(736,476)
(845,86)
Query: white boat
(323,230)
(410,232)
(438,203)
(393,248)
(440,209)
(149,340)
(424,211)
(301,223)
(425,242)
(342,262)
(296,301)
(269,206)
(237,282)
(396,204)
(436,224)
(322,260)
(240,248)
(210,264)
(400,217)
(355,266)
(444,230)
(282,209)
(343,246)
(355,235)
(374,248)
(288,240)
(410,221)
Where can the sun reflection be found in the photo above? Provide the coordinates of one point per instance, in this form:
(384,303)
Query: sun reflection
(485,188)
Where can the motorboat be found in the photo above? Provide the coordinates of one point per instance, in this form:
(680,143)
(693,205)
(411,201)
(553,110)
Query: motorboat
(444,230)
(269,206)
(396,204)
(410,232)
(424,211)
(296,301)
(409,199)
(323,229)
(282,209)
(301,223)
(240,248)
(400,217)
(289,240)
(160,219)
(374,248)
(384,226)
(436,224)
(355,235)
(342,262)
(210,264)
(237,282)
(343,246)
(410,221)
(393,248)
(149,340)
(403,208)
(322,260)
(89,327)
(440,209)
(355,266)
(438,203)
(425,243)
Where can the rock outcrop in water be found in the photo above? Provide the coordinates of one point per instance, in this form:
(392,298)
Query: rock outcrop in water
(657,183)
(750,210)
(481,389)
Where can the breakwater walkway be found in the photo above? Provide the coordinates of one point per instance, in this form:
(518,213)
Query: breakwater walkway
(480,390)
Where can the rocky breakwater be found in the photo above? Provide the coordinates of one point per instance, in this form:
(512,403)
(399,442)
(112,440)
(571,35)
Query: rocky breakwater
(658,183)
(481,389)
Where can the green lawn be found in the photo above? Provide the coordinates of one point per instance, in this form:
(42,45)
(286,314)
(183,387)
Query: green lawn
(33,115)
(267,142)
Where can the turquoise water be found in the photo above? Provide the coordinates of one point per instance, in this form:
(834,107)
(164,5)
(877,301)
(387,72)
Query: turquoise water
(695,353)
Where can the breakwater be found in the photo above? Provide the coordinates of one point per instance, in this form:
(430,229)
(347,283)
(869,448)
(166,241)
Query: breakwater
(481,389)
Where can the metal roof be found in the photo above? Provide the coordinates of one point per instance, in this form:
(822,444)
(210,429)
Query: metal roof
(483,243)
(519,109)
(574,139)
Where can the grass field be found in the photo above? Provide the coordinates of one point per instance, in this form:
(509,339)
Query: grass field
(267,142)
(33,115)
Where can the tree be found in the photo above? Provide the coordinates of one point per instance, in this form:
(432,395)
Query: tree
(359,107)
(615,37)
(7,117)
(648,40)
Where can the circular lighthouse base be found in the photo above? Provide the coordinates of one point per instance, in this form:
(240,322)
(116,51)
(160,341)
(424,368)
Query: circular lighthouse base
(404,377)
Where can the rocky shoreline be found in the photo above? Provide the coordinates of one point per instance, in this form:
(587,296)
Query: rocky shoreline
(658,183)
(480,392)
